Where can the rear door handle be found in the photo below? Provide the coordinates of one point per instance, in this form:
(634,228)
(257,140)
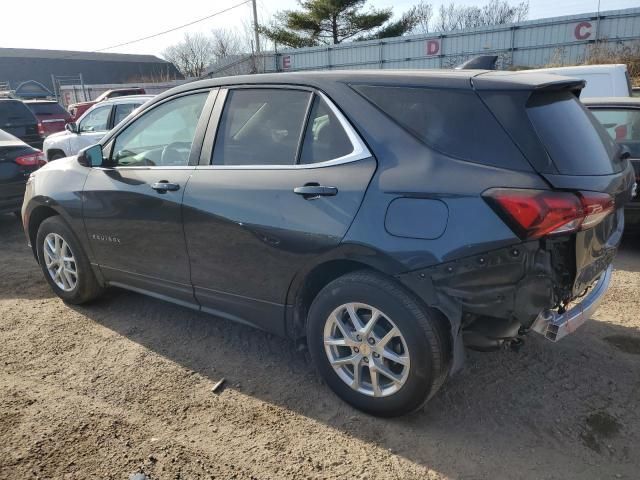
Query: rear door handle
(313,190)
(164,186)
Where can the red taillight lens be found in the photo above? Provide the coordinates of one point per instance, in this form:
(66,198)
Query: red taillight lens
(41,131)
(596,206)
(537,213)
(32,160)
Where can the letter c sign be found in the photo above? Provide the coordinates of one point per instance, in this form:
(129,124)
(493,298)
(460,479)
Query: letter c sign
(582,31)
(433,47)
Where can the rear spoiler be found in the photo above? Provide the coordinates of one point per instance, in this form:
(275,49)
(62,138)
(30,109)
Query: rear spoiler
(523,80)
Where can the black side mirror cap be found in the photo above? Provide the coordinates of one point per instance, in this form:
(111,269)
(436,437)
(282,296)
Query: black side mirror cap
(91,156)
(71,127)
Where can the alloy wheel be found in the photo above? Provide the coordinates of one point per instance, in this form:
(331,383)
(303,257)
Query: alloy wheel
(366,349)
(60,262)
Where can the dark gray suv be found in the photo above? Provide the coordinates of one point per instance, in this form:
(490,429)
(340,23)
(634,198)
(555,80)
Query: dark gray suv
(390,218)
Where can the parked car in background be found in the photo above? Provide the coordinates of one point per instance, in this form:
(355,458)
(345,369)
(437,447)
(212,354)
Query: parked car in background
(77,109)
(51,116)
(92,126)
(390,218)
(17,161)
(17,120)
(602,80)
(621,119)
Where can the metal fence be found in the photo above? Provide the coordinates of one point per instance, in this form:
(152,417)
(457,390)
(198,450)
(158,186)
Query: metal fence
(73,93)
(558,40)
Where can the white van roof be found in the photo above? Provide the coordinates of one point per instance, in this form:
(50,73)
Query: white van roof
(602,80)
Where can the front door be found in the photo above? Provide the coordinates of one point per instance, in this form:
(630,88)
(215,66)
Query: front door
(283,184)
(91,128)
(132,211)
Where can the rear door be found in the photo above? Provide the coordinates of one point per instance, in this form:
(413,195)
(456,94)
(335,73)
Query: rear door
(282,184)
(132,211)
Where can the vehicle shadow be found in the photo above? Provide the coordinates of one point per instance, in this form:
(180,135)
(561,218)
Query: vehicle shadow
(547,411)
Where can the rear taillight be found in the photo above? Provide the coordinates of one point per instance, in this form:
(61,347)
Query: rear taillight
(537,213)
(41,131)
(32,160)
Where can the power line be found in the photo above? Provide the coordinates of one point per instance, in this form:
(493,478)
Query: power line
(173,29)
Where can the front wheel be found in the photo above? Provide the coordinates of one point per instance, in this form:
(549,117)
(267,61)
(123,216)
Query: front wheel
(376,345)
(64,263)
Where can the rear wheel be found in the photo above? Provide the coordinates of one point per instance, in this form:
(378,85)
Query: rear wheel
(64,263)
(376,346)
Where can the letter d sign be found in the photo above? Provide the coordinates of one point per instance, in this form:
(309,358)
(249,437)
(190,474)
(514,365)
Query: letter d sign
(433,47)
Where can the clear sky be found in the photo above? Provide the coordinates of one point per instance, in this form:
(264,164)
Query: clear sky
(95,24)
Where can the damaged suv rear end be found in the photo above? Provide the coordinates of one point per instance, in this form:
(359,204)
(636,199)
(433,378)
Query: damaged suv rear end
(517,195)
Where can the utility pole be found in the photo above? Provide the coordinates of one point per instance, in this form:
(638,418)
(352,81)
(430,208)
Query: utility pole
(255,26)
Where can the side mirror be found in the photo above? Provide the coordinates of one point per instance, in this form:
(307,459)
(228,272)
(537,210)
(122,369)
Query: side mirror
(71,127)
(91,156)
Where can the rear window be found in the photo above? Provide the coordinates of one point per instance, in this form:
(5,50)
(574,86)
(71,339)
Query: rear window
(573,138)
(15,112)
(454,122)
(47,109)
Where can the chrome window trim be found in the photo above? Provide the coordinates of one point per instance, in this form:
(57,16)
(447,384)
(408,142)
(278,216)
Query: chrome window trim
(359,152)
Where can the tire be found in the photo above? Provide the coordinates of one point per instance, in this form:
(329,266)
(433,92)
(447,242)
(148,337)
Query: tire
(423,344)
(86,287)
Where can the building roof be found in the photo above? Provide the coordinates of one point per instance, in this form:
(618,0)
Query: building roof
(75,55)
(18,65)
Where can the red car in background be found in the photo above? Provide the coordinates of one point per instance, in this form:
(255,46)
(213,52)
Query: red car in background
(51,116)
(77,109)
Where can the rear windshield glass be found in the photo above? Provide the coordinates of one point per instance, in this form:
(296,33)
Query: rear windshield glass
(453,122)
(14,111)
(47,109)
(574,139)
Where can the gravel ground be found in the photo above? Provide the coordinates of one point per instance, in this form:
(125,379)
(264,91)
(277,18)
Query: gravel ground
(124,386)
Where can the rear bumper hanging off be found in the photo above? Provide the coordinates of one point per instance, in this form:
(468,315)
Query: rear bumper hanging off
(554,326)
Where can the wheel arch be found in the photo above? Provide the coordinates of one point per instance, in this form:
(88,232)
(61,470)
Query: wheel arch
(347,258)
(52,151)
(37,215)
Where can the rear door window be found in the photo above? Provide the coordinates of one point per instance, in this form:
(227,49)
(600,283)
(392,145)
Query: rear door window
(261,127)
(123,110)
(324,139)
(453,122)
(14,112)
(574,139)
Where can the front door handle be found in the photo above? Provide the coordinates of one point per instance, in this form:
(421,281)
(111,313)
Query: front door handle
(164,186)
(311,191)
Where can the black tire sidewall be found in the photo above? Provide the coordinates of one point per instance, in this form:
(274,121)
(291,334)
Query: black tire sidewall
(408,316)
(86,284)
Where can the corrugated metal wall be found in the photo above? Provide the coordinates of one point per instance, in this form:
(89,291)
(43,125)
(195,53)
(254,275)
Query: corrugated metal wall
(562,40)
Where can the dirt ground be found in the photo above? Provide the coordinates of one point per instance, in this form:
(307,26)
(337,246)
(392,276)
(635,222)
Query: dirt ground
(124,386)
